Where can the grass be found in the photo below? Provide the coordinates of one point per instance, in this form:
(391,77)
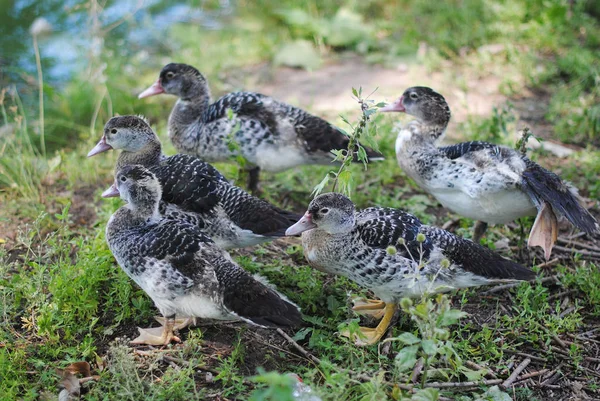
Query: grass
(63,299)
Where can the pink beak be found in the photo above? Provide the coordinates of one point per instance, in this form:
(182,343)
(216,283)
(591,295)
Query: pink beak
(155,89)
(111,192)
(304,224)
(398,106)
(102,146)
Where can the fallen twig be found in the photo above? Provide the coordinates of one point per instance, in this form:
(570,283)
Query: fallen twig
(532,357)
(530,375)
(579,244)
(304,352)
(483,382)
(508,382)
(561,294)
(489,372)
(582,252)
(414,377)
(511,285)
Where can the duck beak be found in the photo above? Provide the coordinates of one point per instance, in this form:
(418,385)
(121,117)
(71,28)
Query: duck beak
(155,89)
(111,192)
(397,106)
(304,224)
(102,146)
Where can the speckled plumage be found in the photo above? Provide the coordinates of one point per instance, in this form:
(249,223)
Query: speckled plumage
(355,244)
(179,267)
(482,181)
(269,134)
(195,191)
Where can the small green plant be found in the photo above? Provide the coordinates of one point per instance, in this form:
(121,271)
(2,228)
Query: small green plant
(342,178)
(278,387)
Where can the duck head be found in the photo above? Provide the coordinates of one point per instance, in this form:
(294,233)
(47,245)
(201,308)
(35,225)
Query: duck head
(426,105)
(330,212)
(137,186)
(181,80)
(128,133)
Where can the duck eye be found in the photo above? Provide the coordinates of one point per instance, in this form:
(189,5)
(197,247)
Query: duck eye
(324,211)
(123,178)
(113,131)
(169,75)
(413,96)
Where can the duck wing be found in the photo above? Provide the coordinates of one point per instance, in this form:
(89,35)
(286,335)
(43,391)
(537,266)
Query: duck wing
(475,258)
(383,227)
(251,299)
(319,135)
(460,149)
(246,104)
(189,182)
(251,213)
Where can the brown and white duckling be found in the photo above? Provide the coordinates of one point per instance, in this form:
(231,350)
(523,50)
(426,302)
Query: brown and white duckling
(485,182)
(184,272)
(340,240)
(269,134)
(194,190)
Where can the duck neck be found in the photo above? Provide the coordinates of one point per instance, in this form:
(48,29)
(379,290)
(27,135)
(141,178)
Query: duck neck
(148,156)
(189,111)
(417,136)
(146,211)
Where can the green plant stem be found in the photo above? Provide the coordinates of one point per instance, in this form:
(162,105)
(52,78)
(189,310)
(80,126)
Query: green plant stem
(38,63)
(350,151)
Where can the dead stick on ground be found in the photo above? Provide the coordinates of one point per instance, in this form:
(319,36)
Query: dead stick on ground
(579,251)
(511,285)
(579,244)
(489,371)
(464,384)
(532,374)
(304,352)
(508,382)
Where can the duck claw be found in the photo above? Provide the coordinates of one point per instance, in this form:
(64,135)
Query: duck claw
(155,336)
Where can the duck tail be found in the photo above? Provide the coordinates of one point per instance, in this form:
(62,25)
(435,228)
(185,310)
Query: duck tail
(543,186)
(475,258)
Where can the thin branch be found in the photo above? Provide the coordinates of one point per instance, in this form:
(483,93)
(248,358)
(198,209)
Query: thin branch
(304,352)
(508,382)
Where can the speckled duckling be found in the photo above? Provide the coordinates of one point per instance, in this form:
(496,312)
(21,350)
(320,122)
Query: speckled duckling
(184,272)
(338,239)
(482,181)
(269,134)
(194,190)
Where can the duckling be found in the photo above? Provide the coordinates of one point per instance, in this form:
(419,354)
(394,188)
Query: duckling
(194,190)
(488,183)
(340,240)
(184,272)
(271,135)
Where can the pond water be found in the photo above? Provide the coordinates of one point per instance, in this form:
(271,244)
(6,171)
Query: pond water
(74,23)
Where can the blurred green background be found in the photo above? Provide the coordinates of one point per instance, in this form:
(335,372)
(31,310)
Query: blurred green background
(98,55)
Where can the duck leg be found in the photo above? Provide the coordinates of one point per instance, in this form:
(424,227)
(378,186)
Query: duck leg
(158,335)
(545,230)
(178,324)
(253,179)
(372,336)
(479,230)
(370,307)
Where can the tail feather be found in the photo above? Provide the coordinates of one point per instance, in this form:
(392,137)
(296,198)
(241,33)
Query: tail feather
(255,214)
(475,258)
(544,186)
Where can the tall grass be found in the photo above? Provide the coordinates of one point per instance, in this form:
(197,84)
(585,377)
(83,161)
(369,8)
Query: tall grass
(22,165)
